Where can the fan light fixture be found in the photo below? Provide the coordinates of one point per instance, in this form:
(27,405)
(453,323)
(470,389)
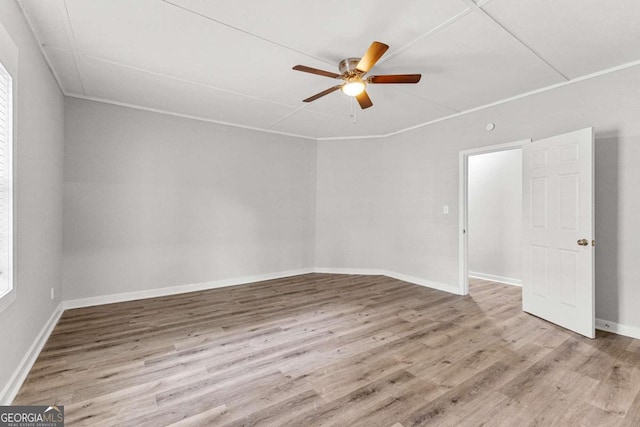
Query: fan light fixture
(352,74)
(353,87)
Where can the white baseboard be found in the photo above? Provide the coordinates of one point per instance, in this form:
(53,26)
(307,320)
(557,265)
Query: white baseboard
(12,387)
(400,276)
(494,278)
(174,290)
(617,328)
(424,282)
(356,271)
(9,392)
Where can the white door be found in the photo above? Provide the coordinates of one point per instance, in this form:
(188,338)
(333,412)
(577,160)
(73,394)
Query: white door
(558,246)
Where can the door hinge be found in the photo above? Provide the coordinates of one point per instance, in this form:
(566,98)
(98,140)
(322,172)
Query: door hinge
(593,243)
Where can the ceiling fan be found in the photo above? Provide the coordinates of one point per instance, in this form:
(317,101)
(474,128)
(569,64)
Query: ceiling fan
(353,71)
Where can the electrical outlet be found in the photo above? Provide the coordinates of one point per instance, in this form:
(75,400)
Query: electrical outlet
(53,293)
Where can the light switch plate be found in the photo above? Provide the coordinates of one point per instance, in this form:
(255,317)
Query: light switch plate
(445,209)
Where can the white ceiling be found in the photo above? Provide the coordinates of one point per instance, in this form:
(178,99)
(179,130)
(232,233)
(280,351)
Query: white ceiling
(230,60)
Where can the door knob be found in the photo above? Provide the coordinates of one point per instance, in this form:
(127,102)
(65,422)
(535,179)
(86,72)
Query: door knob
(583,242)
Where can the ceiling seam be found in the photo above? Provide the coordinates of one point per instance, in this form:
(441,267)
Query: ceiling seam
(459,113)
(247,32)
(400,131)
(286,116)
(428,34)
(596,74)
(231,92)
(38,38)
(180,79)
(303,107)
(387,58)
(482,3)
(196,83)
(478,9)
(74,46)
(410,93)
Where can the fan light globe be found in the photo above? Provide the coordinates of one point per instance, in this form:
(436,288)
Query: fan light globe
(353,88)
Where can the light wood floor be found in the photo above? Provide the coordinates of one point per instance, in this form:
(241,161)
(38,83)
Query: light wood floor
(324,349)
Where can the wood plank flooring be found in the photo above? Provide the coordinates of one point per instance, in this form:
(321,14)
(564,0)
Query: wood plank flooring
(336,350)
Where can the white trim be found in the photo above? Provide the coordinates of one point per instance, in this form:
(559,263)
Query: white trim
(431,32)
(424,282)
(440,119)
(395,275)
(493,104)
(12,387)
(353,271)
(8,295)
(71,38)
(7,298)
(243,31)
(473,4)
(618,328)
(181,289)
(296,108)
(184,116)
(494,278)
(463,243)
(41,45)
(463,199)
(497,147)
(355,137)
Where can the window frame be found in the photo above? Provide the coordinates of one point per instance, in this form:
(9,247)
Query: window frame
(9,295)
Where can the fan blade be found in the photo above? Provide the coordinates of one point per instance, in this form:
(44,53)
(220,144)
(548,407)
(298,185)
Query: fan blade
(375,52)
(395,78)
(306,69)
(364,100)
(323,93)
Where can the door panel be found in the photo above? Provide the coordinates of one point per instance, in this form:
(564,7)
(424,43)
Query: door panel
(558,276)
(568,202)
(539,197)
(540,270)
(568,284)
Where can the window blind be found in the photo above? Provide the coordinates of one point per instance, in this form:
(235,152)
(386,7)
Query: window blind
(5,179)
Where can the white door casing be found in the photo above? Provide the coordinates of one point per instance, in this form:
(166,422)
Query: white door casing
(558,267)
(463,284)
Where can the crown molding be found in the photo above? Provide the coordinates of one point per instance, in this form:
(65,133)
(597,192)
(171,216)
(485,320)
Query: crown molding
(185,116)
(335,138)
(596,74)
(495,103)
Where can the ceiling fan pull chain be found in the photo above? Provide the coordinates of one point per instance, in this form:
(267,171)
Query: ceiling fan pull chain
(354,111)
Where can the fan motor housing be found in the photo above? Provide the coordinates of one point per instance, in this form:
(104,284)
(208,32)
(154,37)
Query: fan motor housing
(348,65)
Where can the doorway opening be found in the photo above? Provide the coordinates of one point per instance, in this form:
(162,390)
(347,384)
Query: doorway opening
(494,205)
(558,242)
(491,214)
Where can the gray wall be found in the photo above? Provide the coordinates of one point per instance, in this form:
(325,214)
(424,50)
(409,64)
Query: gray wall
(152,201)
(420,170)
(350,205)
(495,215)
(38,160)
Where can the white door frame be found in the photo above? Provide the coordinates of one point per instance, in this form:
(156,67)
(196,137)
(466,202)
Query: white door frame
(463,253)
